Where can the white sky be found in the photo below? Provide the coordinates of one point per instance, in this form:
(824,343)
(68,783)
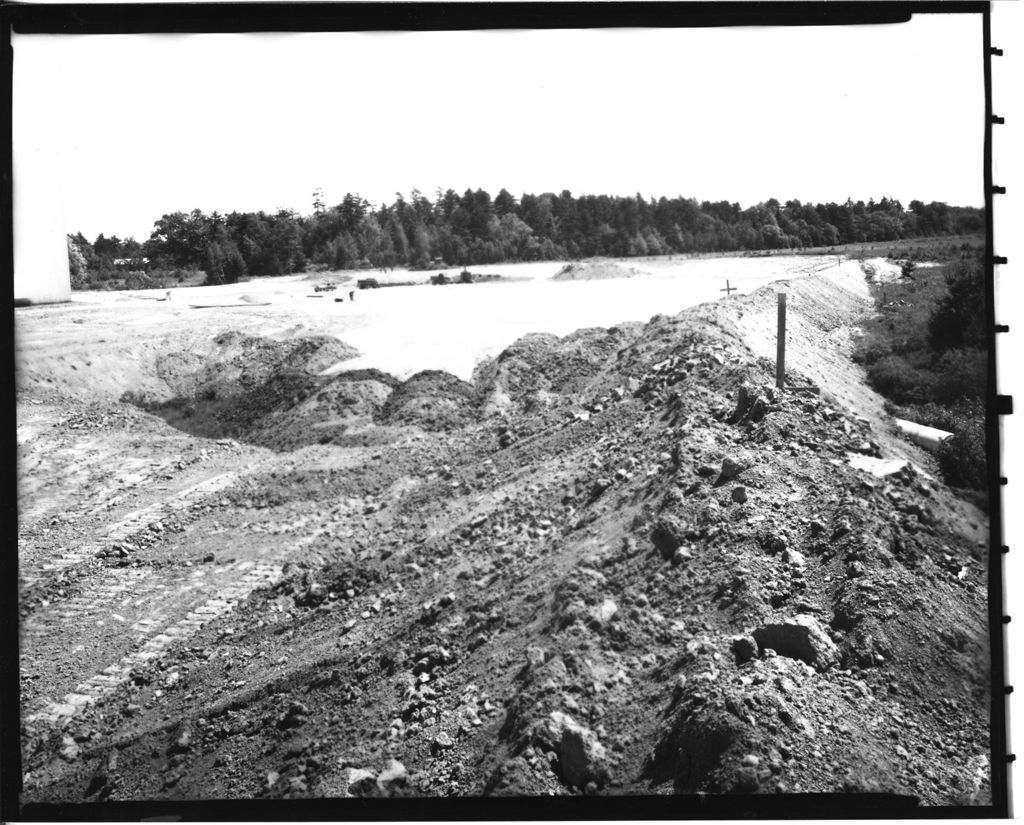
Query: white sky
(141,125)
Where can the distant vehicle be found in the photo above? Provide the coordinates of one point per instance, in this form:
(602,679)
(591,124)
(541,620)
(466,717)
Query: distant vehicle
(325,287)
(368,283)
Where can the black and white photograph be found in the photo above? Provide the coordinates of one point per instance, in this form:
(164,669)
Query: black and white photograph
(591,415)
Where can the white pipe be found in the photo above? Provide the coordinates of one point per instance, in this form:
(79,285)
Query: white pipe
(925,436)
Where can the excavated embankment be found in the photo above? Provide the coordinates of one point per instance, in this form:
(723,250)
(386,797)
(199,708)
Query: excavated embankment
(617,563)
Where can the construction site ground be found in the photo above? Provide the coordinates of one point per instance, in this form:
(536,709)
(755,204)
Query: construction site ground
(618,562)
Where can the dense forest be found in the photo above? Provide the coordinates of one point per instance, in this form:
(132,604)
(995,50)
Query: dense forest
(474,228)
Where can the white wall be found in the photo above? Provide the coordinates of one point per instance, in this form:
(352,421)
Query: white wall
(41,273)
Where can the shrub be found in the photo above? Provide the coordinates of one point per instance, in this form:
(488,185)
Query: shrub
(963,459)
(953,417)
(139,280)
(896,378)
(77,266)
(870,348)
(961,373)
(959,317)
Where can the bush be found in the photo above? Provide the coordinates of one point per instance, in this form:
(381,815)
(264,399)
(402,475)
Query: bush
(77,266)
(963,459)
(896,378)
(927,352)
(959,317)
(962,373)
(139,280)
(870,348)
(953,417)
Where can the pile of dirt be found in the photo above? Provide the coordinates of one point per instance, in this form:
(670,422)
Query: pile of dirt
(433,400)
(594,271)
(654,574)
(542,370)
(234,385)
(356,394)
(237,362)
(346,406)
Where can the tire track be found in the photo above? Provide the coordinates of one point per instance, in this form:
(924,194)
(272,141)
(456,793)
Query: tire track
(133,522)
(246,577)
(83,605)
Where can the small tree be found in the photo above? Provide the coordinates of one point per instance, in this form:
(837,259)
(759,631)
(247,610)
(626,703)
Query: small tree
(234,265)
(959,317)
(77,266)
(214,265)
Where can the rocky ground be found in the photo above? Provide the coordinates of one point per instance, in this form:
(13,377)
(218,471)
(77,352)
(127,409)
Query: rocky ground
(616,563)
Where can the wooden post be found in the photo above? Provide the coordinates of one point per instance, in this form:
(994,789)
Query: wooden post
(780,352)
(728,289)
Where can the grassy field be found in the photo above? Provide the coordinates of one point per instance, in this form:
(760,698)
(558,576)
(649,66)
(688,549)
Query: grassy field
(948,248)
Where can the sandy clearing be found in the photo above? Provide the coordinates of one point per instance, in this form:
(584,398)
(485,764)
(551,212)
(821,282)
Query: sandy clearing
(110,339)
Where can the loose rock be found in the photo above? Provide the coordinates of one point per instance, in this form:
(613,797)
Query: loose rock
(744,648)
(582,757)
(360,781)
(801,637)
(393,778)
(733,465)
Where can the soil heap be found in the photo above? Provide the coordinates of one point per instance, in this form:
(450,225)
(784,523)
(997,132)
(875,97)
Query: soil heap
(619,562)
(593,271)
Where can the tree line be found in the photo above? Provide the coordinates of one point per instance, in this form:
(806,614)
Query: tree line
(474,228)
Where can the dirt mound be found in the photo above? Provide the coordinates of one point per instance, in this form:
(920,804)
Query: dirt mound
(239,386)
(332,412)
(656,575)
(542,370)
(594,271)
(358,393)
(234,363)
(433,400)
